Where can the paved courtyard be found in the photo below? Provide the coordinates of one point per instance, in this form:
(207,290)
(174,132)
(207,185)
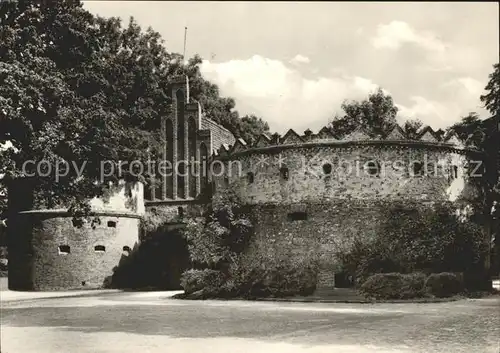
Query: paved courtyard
(152,322)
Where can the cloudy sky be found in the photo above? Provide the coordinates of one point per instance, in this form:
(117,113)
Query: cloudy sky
(293,63)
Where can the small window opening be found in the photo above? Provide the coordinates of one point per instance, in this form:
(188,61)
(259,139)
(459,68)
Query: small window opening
(126,250)
(77,222)
(418,169)
(64,249)
(99,248)
(454,172)
(112,224)
(284,173)
(83,283)
(250,177)
(297,216)
(180,211)
(327,168)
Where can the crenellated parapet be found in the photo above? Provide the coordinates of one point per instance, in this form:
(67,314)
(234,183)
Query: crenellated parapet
(425,137)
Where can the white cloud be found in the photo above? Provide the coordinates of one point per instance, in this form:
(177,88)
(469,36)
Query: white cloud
(281,95)
(300,59)
(440,55)
(397,33)
(440,114)
(285,98)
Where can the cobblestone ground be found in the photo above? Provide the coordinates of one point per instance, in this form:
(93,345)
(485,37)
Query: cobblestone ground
(147,322)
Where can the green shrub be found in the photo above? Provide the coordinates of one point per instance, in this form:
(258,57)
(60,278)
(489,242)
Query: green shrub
(444,284)
(210,281)
(416,239)
(394,286)
(262,277)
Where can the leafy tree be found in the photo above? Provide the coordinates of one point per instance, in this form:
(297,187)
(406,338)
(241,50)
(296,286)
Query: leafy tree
(251,127)
(469,129)
(222,235)
(411,127)
(491,99)
(84,89)
(377,115)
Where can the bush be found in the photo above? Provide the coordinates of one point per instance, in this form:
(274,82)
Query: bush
(273,277)
(210,281)
(394,286)
(415,239)
(445,284)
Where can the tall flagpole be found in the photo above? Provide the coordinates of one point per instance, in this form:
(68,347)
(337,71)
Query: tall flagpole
(185,37)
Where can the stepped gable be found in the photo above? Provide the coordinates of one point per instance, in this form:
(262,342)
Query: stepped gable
(359,134)
(240,145)
(264,140)
(325,134)
(291,138)
(397,134)
(427,135)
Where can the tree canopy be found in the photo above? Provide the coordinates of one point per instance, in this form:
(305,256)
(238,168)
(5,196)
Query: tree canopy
(376,114)
(491,99)
(84,89)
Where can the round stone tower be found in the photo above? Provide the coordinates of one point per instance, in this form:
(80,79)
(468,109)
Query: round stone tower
(315,193)
(51,250)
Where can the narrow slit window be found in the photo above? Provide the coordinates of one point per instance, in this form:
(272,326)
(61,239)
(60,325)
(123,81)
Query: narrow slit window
(418,169)
(64,249)
(99,248)
(111,224)
(454,172)
(250,177)
(327,168)
(180,211)
(284,173)
(297,216)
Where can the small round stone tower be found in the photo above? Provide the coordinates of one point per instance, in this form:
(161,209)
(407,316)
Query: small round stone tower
(50,250)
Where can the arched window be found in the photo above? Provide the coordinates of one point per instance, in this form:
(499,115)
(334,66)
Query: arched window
(250,177)
(180,143)
(203,167)
(192,157)
(170,160)
(284,174)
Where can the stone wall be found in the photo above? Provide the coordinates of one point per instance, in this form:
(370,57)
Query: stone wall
(350,176)
(316,230)
(39,257)
(317,211)
(38,239)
